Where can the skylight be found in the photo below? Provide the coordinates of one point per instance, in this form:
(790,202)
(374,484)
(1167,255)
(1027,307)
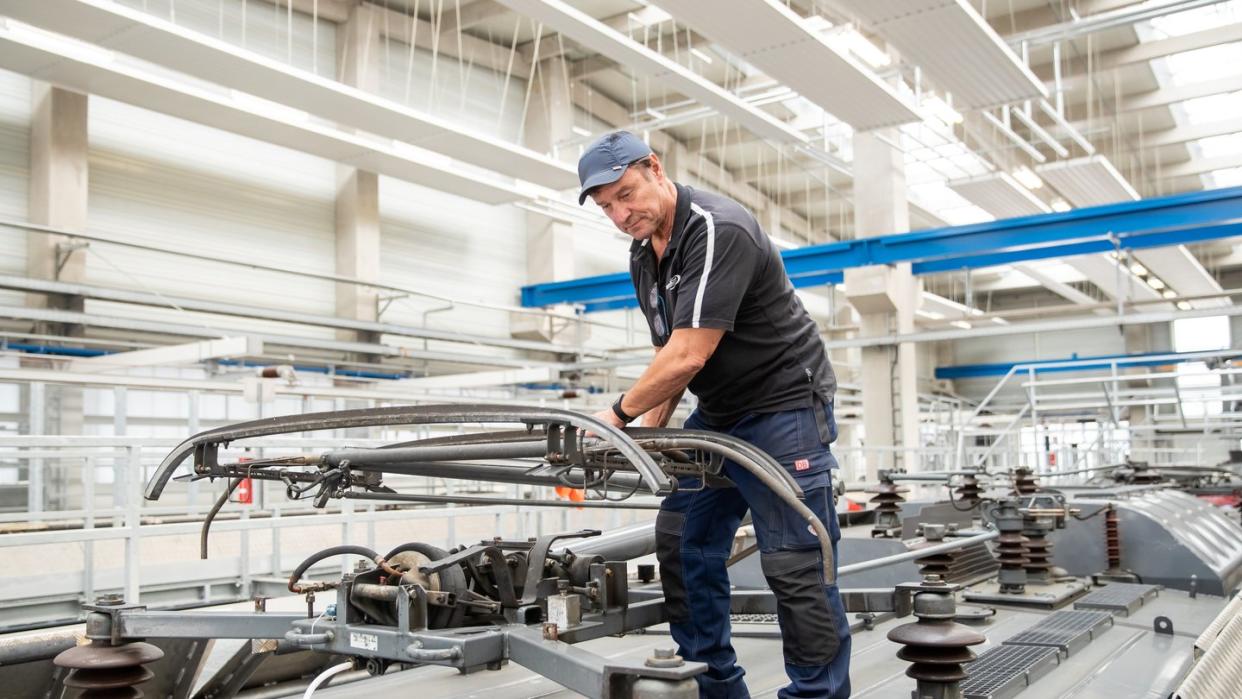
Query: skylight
(1217,146)
(1204,64)
(1191,21)
(1212,108)
(1227,178)
(1198,66)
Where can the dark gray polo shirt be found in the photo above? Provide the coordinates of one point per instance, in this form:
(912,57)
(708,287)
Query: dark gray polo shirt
(721,271)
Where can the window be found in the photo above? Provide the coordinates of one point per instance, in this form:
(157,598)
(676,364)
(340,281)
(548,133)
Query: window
(1195,382)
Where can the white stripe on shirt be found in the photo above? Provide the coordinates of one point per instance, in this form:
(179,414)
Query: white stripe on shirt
(707,263)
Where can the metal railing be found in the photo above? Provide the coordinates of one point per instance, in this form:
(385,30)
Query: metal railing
(148,550)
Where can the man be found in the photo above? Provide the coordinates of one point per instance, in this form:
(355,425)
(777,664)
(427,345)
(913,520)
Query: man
(726,324)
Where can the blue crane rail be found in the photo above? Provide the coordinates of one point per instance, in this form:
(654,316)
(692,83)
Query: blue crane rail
(1148,223)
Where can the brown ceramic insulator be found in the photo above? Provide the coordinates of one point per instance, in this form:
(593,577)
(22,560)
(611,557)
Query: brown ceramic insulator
(887,503)
(1024,482)
(1038,553)
(969,491)
(936,564)
(935,646)
(1011,551)
(103,671)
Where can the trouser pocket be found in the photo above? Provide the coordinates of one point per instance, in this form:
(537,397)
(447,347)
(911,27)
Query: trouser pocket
(808,628)
(669,527)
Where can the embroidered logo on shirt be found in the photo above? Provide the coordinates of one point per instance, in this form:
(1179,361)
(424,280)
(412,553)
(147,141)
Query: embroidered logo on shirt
(673,282)
(802,465)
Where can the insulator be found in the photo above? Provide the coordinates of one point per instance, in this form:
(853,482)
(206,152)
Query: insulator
(969,491)
(104,671)
(1011,548)
(1024,482)
(940,564)
(887,502)
(935,645)
(1038,547)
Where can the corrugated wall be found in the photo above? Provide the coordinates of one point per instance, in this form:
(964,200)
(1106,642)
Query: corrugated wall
(14,173)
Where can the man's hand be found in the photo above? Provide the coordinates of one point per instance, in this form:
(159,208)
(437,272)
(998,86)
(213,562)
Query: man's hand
(609,417)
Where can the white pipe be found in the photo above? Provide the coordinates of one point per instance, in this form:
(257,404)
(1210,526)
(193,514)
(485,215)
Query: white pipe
(325,676)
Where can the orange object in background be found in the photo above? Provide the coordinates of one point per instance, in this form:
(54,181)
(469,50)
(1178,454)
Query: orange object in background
(244,493)
(564,492)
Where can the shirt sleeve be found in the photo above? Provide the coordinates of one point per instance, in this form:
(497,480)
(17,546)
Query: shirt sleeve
(718,269)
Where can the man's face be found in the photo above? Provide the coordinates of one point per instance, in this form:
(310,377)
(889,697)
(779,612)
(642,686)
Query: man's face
(638,203)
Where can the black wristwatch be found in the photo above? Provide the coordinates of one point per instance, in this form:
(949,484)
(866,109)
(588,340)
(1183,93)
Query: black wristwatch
(621,415)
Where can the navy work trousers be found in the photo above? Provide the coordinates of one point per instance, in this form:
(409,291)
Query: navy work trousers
(694,536)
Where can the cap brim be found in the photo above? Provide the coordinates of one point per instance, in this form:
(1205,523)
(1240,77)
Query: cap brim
(598,180)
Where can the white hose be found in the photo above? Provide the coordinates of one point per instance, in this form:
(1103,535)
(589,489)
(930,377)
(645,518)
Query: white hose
(325,676)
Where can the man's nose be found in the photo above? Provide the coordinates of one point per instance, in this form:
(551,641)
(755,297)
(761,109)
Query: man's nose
(619,215)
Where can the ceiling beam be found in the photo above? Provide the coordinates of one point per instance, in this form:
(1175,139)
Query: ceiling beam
(588,31)
(1057,287)
(1184,134)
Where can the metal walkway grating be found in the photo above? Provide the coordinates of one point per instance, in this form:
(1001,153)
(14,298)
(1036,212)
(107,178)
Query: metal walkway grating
(1124,598)
(1003,671)
(1067,630)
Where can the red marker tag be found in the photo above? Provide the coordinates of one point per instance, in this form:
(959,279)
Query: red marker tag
(802,465)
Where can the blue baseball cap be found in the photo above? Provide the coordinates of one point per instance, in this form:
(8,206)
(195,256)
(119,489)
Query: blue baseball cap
(607,159)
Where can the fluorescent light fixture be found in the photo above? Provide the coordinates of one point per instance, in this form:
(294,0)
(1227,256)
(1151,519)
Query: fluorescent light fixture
(1138,269)
(961,324)
(1088,181)
(782,243)
(702,55)
(941,110)
(1169,294)
(848,39)
(817,23)
(1027,178)
(656,114)
(1183,305)
(648,16)
(930,315)
(585,133)
(1155,283)
(1060,205)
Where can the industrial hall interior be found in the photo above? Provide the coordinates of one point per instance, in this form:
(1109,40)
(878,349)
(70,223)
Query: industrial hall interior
(626,349)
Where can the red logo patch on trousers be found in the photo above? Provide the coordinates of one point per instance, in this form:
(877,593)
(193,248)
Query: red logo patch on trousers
(802,465)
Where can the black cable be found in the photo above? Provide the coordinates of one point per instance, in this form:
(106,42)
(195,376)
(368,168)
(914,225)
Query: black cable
(314,558)
(211,516)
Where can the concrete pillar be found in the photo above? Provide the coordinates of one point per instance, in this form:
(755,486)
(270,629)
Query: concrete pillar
(58,190)
(549,241)
(59,154)
(886,298)
(358,50)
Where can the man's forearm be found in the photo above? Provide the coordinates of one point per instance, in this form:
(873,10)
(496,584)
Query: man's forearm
(660,415)
(666,378)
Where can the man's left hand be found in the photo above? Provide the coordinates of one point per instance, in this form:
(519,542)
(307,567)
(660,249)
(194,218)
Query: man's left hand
(606,415)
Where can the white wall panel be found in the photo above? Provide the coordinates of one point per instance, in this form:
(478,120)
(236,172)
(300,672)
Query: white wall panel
(14,173)
(443,244)
(174,184)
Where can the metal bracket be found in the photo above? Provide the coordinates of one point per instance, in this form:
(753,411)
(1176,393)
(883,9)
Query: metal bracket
(65,250)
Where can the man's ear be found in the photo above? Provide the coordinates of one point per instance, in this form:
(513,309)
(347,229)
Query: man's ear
(657,167)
